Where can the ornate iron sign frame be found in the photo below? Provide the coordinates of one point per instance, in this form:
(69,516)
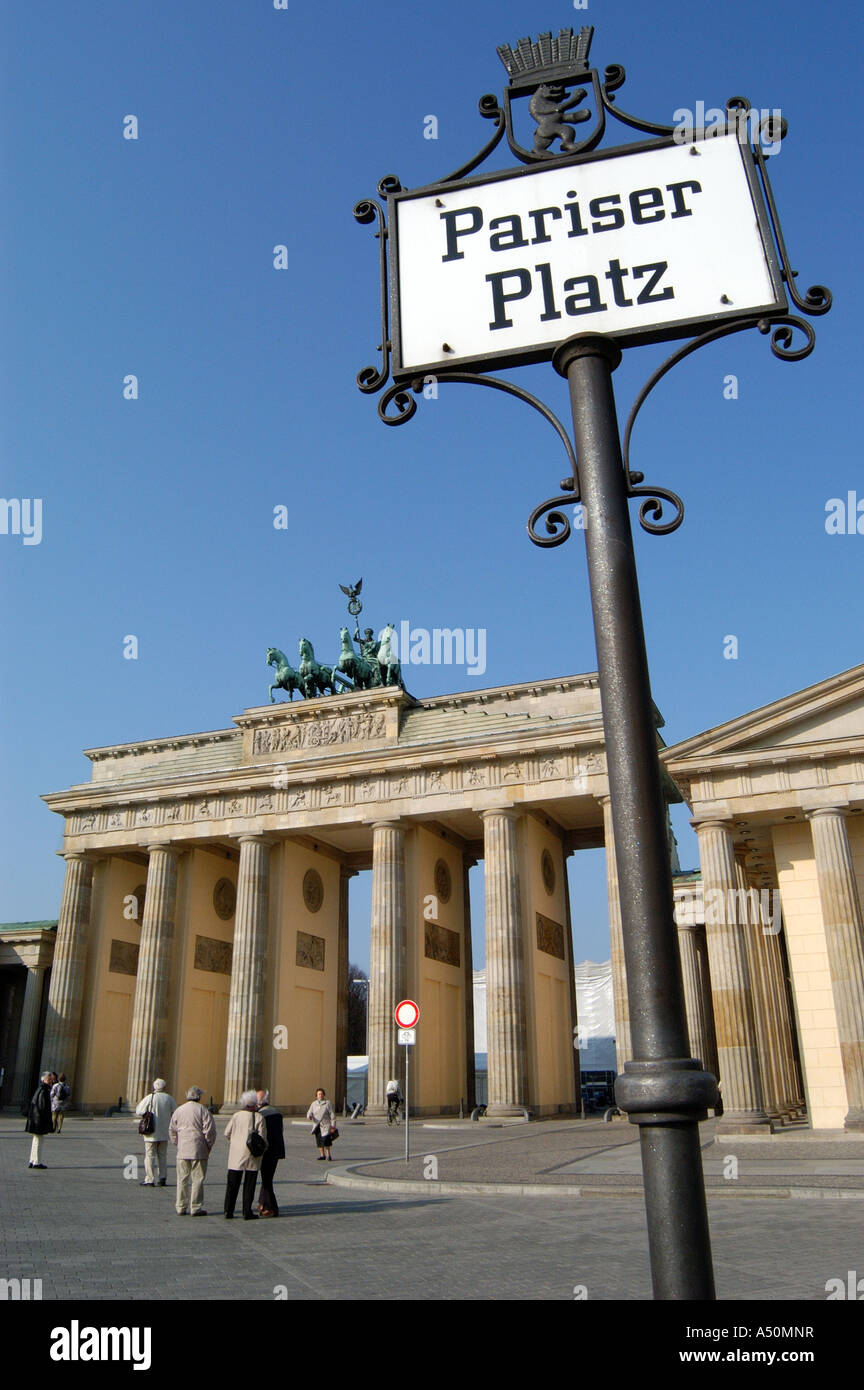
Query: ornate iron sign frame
(554,65)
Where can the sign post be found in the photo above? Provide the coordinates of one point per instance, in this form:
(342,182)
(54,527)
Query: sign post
(406,1014)
(582,254)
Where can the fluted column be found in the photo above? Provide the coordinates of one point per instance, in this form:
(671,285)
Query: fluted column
(147,1054)
(737,1049)
(621,1004)
(244,1051)
(468,863)
(25,1057)
(386,959)
(342,986)
(750,918)
(66,992)
(505,972)
(794,1104)
(571,969)
(844,936)
(697,994)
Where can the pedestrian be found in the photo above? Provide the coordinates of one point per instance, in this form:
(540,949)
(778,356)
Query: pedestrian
(39,1121)
(243,1161)
(325,1131)
(60,1093)
(193,1130)
(394,1096)
(267,1204)
(161,1106)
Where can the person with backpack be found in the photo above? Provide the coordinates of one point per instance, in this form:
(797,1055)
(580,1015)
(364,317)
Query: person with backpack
(60,1093)
(159,1106)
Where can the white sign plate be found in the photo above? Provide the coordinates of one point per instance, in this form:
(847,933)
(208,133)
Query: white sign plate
(406,1037)
(640,246)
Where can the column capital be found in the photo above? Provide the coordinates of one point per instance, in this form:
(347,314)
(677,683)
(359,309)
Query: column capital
(253,839)
(714,823)
(813,811)
(168,846)
(509,812)
(389,825)
(82,856)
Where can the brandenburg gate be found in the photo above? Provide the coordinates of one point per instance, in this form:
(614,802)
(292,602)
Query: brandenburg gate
(203,931)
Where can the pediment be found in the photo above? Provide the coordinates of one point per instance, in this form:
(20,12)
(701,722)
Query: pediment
(830,713)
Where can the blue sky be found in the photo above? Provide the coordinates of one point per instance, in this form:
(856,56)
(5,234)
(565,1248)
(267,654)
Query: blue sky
(260,127)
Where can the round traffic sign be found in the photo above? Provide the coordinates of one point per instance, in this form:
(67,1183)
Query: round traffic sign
(407,1013)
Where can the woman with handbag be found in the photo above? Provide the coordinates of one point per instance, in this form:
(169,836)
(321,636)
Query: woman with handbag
(325,1131)
(155,1110)
(246,1133)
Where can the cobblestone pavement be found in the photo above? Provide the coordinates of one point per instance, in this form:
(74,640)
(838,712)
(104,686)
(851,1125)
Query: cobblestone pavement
(90,1232)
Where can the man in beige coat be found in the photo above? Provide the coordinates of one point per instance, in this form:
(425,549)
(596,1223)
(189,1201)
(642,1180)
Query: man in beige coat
(242,1163)
(193,1130)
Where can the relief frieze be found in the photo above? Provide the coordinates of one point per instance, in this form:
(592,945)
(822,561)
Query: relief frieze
(310,951)
(213,955)
(124,958)
(319,733)
(441,944)
(550,937)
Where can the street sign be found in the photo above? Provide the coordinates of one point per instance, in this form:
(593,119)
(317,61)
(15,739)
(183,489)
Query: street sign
(640,245)
(407,1013)
(406,1037)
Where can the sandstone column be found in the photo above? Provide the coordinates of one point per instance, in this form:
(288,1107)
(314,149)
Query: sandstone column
(22,1087)
(571,967)
(387,981)
(737,1049)
(505,974)
(844,936)
(147,1054)
(468,863)
(244,1052)
(623,1045)
(697,994)
(66,992)
(750,917)
(342,986)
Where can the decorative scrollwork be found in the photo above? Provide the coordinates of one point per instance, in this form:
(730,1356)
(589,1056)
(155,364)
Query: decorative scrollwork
(783,335)
(558,528)
(490,109)
(615,76)
(405,404)
(818,298)
(498,384)
(370,378)
(653,505)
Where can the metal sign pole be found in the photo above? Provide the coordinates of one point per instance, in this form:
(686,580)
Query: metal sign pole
(664,1090)
(407,1121)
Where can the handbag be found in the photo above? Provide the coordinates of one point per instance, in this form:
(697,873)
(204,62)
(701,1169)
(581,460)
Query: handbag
(147,1123)
(255,1142)
(334,1133)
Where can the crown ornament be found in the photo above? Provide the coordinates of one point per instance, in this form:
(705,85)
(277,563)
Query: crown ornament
(548,59)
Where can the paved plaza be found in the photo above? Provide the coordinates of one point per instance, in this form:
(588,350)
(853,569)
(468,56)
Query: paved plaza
(90,1232)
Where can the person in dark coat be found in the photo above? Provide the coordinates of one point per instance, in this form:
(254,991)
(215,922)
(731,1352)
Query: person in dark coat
(267,1205)
(40,1121)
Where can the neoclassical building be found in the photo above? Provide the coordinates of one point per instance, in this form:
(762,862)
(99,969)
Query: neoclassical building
(778,805)
(203,930)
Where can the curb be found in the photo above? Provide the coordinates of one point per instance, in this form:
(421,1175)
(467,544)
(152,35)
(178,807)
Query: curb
(432,1187)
